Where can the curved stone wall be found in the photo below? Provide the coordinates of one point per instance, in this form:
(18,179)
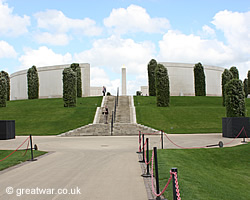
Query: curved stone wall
(181,77)
(50,82)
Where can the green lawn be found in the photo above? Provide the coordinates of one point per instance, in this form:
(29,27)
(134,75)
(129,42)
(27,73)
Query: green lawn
(16,158)
(49,116)
(207,174)
(185,114)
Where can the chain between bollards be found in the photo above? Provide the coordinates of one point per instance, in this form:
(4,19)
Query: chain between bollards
(174,185)
(147,160)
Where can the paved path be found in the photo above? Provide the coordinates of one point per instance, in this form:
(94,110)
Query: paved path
(101,167)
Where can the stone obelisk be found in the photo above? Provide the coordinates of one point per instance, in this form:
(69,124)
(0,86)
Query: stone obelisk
(124,84)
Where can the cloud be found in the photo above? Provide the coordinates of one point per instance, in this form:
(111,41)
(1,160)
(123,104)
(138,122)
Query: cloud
(178,47)
(11,24)
(114,52)
(236,28)
(6,50)
(55,21)
(135,19)
(43,56)
(59,39)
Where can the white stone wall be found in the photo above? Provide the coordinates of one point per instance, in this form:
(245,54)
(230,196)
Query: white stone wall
(50,82)
(144,90)
(181,76)
(96,91)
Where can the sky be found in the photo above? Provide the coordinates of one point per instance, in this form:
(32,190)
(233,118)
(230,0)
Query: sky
(114,33)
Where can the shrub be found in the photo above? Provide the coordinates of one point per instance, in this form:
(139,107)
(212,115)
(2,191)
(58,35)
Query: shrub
(245,86)
(199,80)
(76,68)
(69,87)
(3,92)
(235,72)
(151,77)
(225,78)
(7,78)
(235,99)
(108,94)
(33,83)
(248,75)
(138,93)
(162,86)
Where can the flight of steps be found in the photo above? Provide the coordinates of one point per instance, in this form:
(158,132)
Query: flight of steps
(125,123)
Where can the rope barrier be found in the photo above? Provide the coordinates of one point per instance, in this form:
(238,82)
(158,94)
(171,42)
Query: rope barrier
(152,180)
(14,150)
(26,148)
(176,185)
(243,128)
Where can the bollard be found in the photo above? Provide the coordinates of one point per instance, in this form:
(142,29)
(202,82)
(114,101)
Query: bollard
(31,150)
(112,121)
(147,173)
(156,173)
(143,149)
(161,139)
(174,187)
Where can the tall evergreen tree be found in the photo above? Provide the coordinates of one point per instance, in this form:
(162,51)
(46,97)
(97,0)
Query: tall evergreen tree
(7,78)
(225,78)
(69,87)
(235,72)
(245,86)
(76,68)
(235,99)
(151,77)
(162,86)
(3,92)
(248,75)
(33,83)
(199,80)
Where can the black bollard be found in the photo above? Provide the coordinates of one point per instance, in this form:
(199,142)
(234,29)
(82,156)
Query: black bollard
(147,173)
(143,149)
(174,187)
(156,173)
(31,150)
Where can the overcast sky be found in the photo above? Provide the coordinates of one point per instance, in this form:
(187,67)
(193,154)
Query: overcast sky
(111,33)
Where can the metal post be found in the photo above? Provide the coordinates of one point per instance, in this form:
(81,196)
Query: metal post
(143,149)
(112,123)
(174,187)
(161,139)
(156,173)
(147,173)
(31,149)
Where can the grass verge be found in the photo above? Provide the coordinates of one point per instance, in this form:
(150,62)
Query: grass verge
(207,174)
(49,116)
(185,114)
(16,158)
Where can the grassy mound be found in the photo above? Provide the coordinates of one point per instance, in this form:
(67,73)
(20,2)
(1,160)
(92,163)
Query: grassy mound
(48,116)
(219,173)
(17,157)
(185,114)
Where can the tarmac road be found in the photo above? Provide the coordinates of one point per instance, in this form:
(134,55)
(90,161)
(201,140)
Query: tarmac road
(101,167)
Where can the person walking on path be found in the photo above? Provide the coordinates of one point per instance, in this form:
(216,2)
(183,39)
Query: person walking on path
(104,90)
(105,113)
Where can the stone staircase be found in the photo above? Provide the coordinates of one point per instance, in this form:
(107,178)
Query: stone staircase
(125,122)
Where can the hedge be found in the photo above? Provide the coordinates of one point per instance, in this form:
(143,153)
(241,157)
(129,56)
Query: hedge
(33,83)
(151,77)
(235,72)
(245,86)
(76,68)
(3,92)
(162,86)
(225,78)
(235,99)
(199,80)
(7,78)
(69,87)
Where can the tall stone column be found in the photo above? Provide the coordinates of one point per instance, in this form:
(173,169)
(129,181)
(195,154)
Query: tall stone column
(124,84)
